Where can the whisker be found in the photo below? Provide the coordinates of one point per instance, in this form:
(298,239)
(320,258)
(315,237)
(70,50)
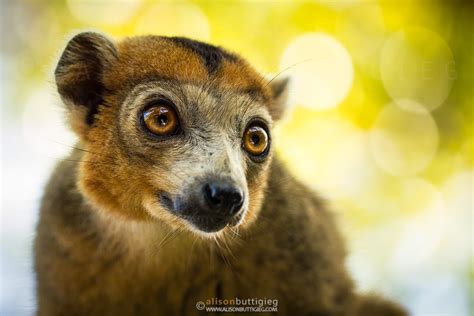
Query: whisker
(286,69)
(75,147)
(88,161)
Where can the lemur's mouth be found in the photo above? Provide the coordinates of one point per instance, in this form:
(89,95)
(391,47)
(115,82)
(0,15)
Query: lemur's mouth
(202,217)
(210,224)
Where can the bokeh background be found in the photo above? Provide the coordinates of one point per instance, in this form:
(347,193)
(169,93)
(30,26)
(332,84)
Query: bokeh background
(380,123)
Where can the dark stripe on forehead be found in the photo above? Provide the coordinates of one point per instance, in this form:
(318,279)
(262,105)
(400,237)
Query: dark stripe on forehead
(210,54)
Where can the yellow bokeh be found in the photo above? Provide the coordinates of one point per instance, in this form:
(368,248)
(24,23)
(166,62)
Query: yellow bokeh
(417,64)
(379,121)
(170,19)
(320,69)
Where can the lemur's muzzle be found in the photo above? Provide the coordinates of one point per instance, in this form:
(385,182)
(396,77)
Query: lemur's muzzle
(209,205)
(222,198)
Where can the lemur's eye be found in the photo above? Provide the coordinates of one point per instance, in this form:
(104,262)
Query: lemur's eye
(256,141)
(161,119)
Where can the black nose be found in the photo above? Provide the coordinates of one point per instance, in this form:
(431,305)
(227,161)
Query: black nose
(223,197)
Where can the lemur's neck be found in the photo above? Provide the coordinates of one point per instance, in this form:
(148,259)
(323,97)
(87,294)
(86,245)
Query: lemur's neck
(147,243)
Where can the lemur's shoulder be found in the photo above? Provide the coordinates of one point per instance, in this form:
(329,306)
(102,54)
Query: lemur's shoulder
(62,202)
(285,190)
(66,228)
(297,215)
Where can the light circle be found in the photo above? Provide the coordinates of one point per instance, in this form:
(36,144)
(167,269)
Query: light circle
(320,68)
(174,19)
(417,64)
(404,138)
(103,12)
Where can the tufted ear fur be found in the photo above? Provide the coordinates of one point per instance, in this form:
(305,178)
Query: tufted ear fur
(279,89)
(79,76)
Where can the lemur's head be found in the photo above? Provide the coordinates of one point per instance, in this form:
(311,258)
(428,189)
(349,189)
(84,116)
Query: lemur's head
(172,129)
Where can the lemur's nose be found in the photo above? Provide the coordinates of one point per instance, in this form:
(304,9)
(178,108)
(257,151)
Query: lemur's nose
(223,197)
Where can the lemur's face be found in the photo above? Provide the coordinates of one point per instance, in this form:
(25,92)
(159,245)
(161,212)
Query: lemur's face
(198,148)
(173,130)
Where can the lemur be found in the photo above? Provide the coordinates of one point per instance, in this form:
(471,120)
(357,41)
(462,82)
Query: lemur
(173,193)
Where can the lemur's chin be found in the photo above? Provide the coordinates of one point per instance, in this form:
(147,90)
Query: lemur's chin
(211,231)
(214,224)
(207,225)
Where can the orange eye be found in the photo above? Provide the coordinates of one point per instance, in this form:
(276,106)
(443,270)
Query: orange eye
(161,119)
(255,140)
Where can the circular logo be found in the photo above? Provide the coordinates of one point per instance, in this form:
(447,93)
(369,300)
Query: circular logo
(200,305)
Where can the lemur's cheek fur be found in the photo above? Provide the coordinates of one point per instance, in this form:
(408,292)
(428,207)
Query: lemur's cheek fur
(257,190)
(109,188)
(105,201)
(159,213)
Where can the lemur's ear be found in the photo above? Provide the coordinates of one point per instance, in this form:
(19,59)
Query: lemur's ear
(279,89)
(79,75)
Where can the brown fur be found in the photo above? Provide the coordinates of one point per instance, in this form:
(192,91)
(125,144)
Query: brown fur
(104,244)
